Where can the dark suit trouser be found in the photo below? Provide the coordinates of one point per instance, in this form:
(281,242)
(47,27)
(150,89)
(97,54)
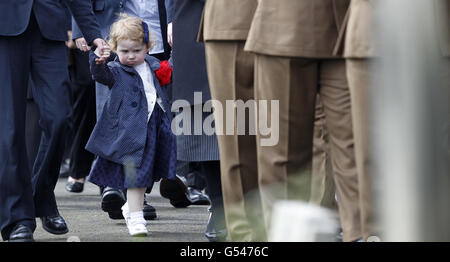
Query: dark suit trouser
(22,197)
(84,117)
(32,131)
(211,171)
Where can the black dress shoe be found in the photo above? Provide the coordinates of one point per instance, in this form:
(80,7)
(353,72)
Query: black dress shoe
(74,187)
(197,197)
(112,201)
(21,233)
(149,211)
(101,189)
(176,191)
(54,224)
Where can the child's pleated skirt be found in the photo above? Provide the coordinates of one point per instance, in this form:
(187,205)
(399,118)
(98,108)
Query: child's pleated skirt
(159,159)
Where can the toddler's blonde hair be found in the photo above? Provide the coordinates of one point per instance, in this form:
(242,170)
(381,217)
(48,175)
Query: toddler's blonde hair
(127,28)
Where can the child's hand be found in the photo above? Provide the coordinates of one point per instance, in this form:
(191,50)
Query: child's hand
(102,51)
(100,59)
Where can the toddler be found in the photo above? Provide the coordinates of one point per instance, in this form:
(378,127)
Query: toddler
(132,137)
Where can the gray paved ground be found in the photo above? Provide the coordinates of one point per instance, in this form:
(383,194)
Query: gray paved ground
(87,222)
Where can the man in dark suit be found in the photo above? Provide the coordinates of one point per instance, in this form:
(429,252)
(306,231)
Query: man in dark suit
(32,39)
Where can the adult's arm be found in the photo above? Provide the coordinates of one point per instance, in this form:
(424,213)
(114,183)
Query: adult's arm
(169,10)
(76,32)
(85,19)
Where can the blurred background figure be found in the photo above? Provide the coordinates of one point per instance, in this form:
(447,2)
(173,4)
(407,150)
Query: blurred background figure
(323,191)
(294,61)
(359,51)
(83,118)
(190,78)
(231,77)
(230,72)
(401,67)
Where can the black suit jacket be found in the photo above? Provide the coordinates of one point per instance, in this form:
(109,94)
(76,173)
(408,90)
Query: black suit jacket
(50,15)
(106,12)
(189,62)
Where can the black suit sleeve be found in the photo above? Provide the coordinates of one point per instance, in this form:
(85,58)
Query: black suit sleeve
(85,19)
(163,18)
(169,9)
(68,20)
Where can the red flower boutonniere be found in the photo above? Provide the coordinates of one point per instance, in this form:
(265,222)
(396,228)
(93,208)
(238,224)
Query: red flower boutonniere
(164,73)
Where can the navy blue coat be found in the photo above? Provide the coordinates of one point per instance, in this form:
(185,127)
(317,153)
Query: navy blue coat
(121,130)
(50,15)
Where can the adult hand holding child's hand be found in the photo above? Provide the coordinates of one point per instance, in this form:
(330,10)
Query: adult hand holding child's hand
(103,50)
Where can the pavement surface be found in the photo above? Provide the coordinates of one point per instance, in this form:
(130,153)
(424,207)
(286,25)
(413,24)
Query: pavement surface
(88,223)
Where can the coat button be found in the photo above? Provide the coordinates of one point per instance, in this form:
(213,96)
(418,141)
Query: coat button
(134,104)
